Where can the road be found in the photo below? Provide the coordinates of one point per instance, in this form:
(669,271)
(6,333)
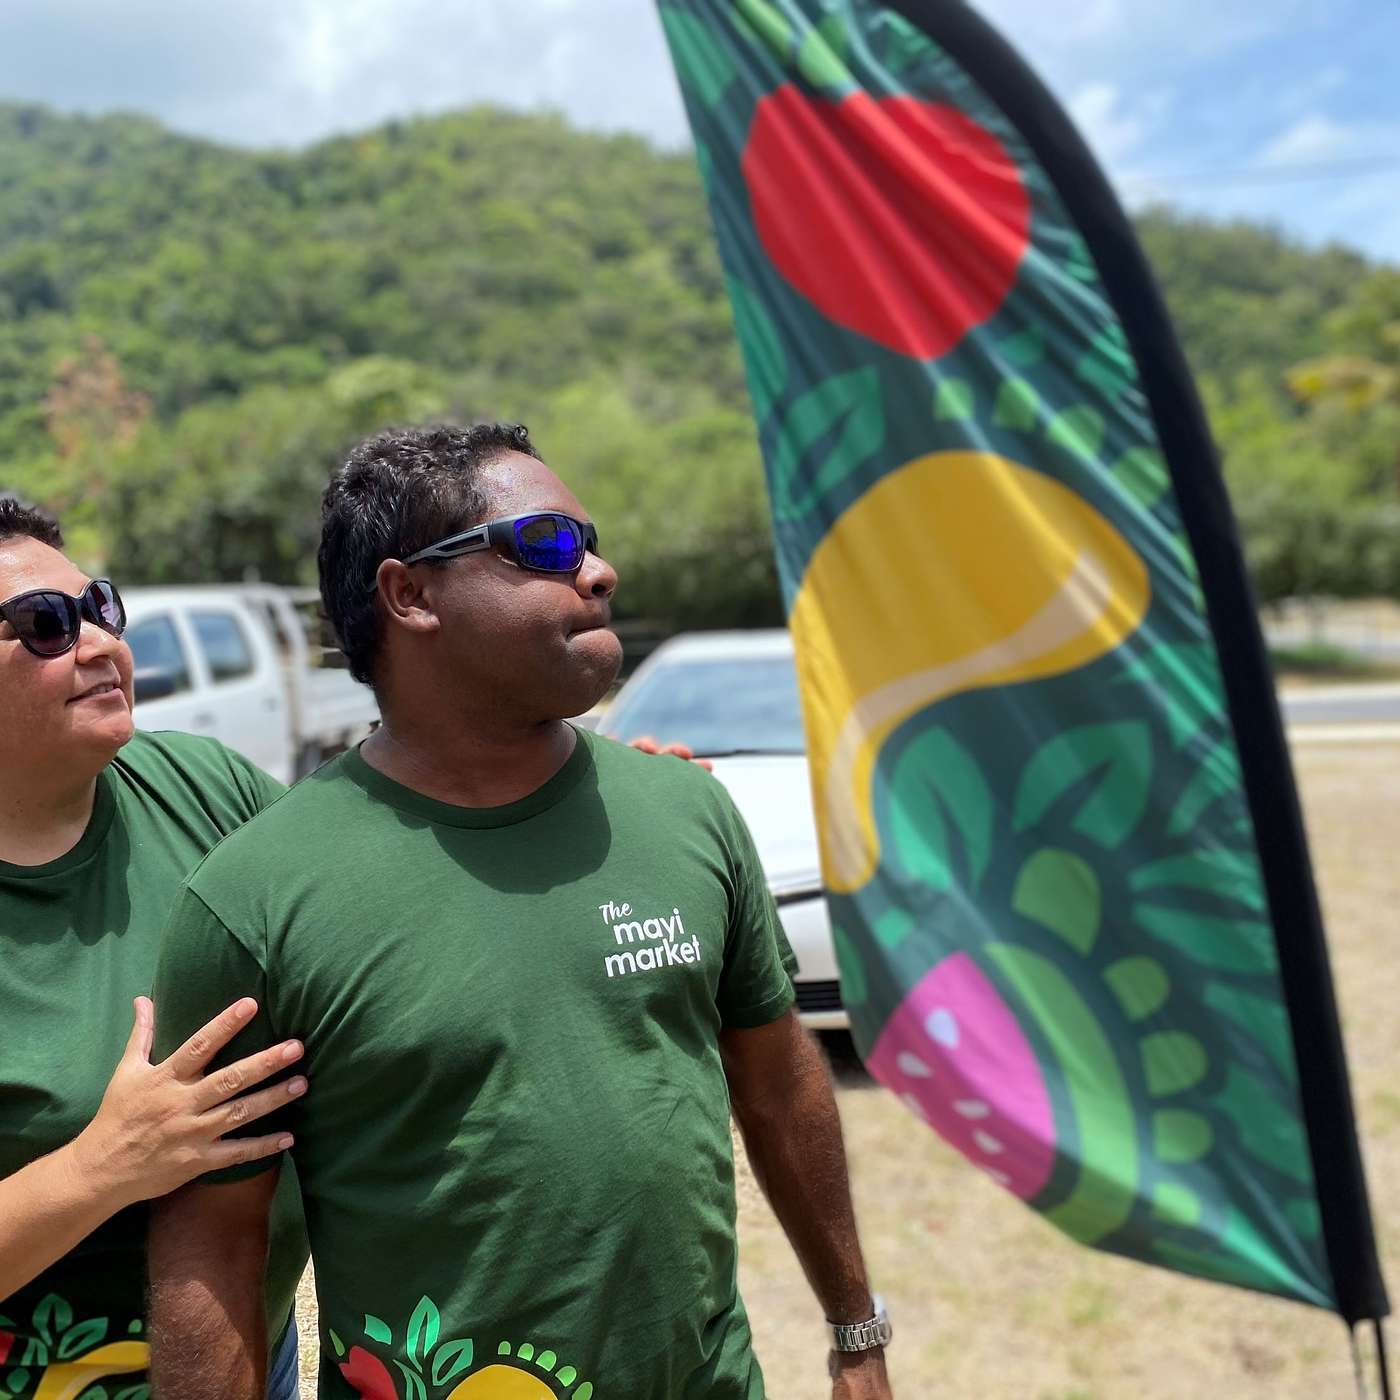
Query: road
(1342,713)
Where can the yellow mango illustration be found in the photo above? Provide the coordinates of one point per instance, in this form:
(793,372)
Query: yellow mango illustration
(957,571)
(502,1383)
(68,1379)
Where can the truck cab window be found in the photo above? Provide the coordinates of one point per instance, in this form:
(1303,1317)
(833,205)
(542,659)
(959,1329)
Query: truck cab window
(155,646)
(225,647)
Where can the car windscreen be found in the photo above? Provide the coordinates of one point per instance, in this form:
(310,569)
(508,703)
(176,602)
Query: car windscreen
(716,705)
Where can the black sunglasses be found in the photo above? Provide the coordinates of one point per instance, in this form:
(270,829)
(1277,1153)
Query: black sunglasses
(48,621)
(542,540)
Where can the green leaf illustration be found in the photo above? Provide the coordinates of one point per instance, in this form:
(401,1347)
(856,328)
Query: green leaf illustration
(1079,430)
(1265,1019)
(379,1330)
(1139,985)
(954,400)
(1102,1197)
(336,1343)
(132,1392)
(806,47)
(769,23)
(1217,775)
(847,406)
(423,1329)
(52,1316)
(1118,755)
(82,1338)
(1225,945)
(1108,364)
(1017,406)
(1172,1062)
(1059,891)
(416,1389)
(1268,1131)
(1179,1135)
(853,981)
(1142,473)
(451,1360)
(764,361)
(905,44)
(936,782)
(1184,680)
(1228,874)
(701,62)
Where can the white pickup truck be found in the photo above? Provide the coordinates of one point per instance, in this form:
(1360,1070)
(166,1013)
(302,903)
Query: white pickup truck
(237,662)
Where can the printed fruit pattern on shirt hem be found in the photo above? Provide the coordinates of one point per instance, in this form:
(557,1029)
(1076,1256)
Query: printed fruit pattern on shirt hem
(59,1358)
(433,1366)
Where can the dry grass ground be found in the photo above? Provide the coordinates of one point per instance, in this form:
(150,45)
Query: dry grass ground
(991,1303)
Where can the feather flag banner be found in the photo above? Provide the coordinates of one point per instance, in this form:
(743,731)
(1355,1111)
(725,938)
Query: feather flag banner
(1069,886)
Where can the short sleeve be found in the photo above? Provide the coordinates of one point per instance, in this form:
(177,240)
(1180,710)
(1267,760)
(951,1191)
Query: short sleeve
(203,969)
(259,789)
(755,985)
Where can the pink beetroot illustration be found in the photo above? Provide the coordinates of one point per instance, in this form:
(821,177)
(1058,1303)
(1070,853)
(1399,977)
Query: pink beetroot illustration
(956,1055)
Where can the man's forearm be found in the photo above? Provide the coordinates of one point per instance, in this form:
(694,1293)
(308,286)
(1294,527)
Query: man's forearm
(793,1138)
(208,1328)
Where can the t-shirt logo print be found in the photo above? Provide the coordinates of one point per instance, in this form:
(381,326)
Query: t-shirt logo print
(662,940)
(428,1366)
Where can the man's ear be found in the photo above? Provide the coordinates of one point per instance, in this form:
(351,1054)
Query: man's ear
(406,602)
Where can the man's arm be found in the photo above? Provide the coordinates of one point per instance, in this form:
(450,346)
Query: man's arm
(786,1110)
(208,1254)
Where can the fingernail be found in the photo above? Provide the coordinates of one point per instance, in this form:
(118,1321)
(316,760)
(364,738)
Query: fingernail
(285,1142)
(246,1007)
(292,1052)
(296,1086)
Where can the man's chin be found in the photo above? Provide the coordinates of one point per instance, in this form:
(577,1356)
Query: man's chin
(595,658)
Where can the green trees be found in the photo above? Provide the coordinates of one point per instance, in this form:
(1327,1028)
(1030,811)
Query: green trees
(191,336)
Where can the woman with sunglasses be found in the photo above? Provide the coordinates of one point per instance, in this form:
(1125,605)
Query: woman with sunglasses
(99,826)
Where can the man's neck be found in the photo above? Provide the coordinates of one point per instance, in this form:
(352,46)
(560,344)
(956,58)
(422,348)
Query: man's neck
(40,822)
(468,764)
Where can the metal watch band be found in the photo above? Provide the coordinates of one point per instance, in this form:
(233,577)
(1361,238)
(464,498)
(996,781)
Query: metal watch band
(863,1336)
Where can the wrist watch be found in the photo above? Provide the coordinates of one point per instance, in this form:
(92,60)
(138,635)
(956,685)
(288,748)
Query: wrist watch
(863,1336)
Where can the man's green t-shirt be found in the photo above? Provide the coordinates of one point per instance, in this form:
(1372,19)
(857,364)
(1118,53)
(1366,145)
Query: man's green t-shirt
(515,1154)
(79,939)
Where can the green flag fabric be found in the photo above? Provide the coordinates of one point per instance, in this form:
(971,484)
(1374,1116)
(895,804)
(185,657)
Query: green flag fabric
(1070,892)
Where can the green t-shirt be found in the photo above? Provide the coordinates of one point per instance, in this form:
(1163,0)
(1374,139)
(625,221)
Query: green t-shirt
(515,1154)
(79,938)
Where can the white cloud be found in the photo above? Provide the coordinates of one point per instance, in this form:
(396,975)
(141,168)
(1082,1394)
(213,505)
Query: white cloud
(1098,111)
(1308,140)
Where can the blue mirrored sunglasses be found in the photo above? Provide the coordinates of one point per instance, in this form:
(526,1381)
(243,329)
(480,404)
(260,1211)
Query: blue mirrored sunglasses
(545,541)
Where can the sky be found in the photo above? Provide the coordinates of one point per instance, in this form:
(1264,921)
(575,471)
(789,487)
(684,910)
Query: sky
(1286,111)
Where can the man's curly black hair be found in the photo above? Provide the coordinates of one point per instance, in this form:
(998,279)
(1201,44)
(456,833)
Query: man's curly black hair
(19,519)
(398,492)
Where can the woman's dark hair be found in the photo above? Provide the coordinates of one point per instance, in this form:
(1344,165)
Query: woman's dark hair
(398,492)
(19,519)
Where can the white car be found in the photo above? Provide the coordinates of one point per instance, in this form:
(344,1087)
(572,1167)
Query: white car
(732,696)
(232,662)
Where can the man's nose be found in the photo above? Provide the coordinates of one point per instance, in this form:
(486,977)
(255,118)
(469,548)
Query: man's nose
(95,643)
(596,578)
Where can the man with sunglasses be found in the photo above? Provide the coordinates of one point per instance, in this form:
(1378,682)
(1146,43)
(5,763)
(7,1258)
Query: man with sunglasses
(532,971)
(98,827)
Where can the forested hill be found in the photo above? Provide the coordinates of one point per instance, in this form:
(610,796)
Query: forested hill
(191,334)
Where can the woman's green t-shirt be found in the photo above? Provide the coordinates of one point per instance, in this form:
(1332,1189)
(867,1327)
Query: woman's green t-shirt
(79,939)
